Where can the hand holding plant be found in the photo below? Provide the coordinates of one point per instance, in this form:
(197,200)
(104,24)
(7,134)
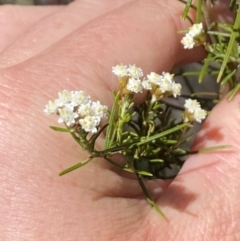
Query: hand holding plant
(93,201)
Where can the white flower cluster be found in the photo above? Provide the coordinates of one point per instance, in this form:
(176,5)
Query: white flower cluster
(76,109)
(162,84)
(193,36)
(132,71)
(131,75)
(158,84)
(193,111)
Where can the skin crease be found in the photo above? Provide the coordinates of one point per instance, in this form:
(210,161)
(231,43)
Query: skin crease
(97,202)
(61,22)
(16,21)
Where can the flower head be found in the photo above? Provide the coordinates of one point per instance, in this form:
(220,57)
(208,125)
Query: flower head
(135,72)
(153,78)
(51,107)
(191,105)
(85,109)
(73,106)
(194,36)
(120,70)
(64,97)
(176,89)
(67,115)
(193,111)
(200,115)
(99,110)
(90,123)
(188,41)
(196,29)
(161,85)
(79,98)
(146,84)
(166,82)
(134,85)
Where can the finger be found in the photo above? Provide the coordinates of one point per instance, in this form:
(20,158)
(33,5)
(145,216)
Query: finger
(135,33)
(15,20)
(57,25)
(121,36)
(204,194)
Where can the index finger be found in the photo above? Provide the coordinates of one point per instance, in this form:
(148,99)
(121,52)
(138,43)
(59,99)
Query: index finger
(141,32)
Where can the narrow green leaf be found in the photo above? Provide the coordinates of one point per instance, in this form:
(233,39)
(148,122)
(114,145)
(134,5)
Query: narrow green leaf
(229,76)
(190,73)
(186,9)
(200,94)
(233,37)
(157,160)
(166,142)
(234,91)
(213,148)
(76,166)
(205,66)
(112,150)
(199,11)
(208,149)
(210,32)
(144,173)
(55,128)
(162,134)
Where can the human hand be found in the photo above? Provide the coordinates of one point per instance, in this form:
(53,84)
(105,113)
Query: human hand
(74,47)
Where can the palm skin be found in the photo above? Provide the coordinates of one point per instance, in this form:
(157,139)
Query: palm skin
(62,49)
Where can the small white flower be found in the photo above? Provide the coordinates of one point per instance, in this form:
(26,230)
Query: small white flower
(135,72)
(146,84)
(191,105)
(200,115)
(188,41)
(165,84)
(194,112)
(120,70)
(79,98)
(153,78)
(64,98)
(176,89)
(196,29)
(166,80)
(167,77)
(67,116)
(134,85)
(51,107)
(99,110)
(85,109)
(90,123)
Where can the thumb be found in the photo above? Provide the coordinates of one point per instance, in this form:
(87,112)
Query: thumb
(205,193)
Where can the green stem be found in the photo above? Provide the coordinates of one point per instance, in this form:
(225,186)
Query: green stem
(200,7)
(111,130)
(126,101)
(126,169)
(148,197)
